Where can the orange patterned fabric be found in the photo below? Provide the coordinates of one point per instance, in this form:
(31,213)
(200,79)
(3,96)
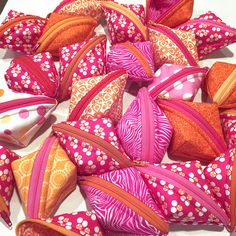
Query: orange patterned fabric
(166,49)
(58,182)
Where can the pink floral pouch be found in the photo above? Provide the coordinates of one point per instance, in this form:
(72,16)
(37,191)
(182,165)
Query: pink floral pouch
(6,182)
(184,193)
(211,33)
(221,174)
(20,32)
(144,130)
(125,22)
(74,224)
(92,145)
(81,60)
(35,74)
(124,203)
(178,82)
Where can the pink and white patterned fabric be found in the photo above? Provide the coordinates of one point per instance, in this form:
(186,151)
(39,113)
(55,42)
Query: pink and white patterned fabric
(211,33)
(229,128)
(89,157)
(127,56)
(177,82)
(117,217)
(184,193)
(81,60)
(23,35)
(34,74)
(128,26)
(79,223)
(144,130)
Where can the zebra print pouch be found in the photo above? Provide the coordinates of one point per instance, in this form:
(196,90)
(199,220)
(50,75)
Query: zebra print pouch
(144,130)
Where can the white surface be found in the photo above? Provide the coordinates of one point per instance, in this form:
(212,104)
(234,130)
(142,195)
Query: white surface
(225,9)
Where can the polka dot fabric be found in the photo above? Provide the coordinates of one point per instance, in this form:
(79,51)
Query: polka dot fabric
(34,74)
(21,34)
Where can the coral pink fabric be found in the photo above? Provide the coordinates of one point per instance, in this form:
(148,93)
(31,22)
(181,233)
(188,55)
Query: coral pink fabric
(211,33)
(23,35)
(88,158)
(34,74)
(144,133)
(178,82)
(91,63)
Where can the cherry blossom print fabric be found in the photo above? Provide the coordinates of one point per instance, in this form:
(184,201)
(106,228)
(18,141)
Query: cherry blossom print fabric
(34,74)
(211,33)
(20,32)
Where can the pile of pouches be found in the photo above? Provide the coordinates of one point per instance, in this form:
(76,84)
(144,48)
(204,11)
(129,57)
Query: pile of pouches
(117,159)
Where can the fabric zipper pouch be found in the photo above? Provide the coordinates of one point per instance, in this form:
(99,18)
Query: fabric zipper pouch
(184,193)
(125,22)
(44,179)
(220,85)
(136,58)
(92,145)
(62,30)
(20,32)
(99,96)
(23,116)
(177,82)
(81,60)
(74,224)
(222,178)
(6,183)
(197,130)
(211,33)
(144,130)
(119,193)
(173,46)
(170,13)
(34,74)
(91,8)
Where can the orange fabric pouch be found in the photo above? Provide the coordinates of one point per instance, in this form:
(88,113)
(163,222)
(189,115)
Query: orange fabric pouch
(220,85)
(44,179)
(62,30)
(197,130)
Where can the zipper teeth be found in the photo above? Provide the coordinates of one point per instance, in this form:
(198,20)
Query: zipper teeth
(83,103)
(36,179)
(170,34)
(128,13)
(141,58)
(96,141)
(225,89)
(233,196)
(198,119)
(174,78)
(182,183)
(127,199)
(23,102)
(62,4)
(73,64)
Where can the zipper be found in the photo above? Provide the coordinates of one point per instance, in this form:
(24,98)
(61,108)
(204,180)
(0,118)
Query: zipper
(228,112)
(36,179)
(129,14)
(170,34)
(62,4)
(23,102)
(4,212)
(51,33)
(67,78)
(155,91)
(83,103)
(198,119)
(182,183)
(148,132)
(6,26)
(233,196)
(96,141)
(127,199)
(34,70)
(225,89)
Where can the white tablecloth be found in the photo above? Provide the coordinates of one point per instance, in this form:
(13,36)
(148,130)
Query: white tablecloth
(75,202)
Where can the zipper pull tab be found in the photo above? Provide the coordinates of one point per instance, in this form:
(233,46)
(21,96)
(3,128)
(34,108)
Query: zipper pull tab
(6,218)
(140,163)
(36,47)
